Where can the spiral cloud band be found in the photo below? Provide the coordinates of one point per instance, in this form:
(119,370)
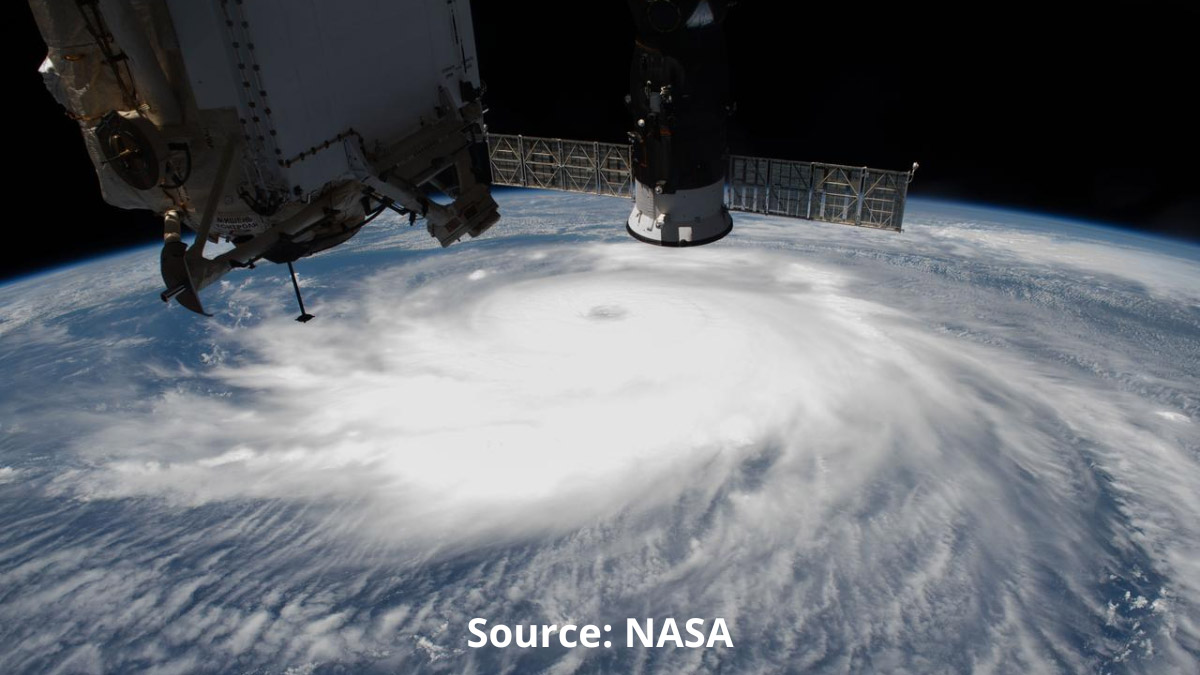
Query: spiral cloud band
(971,446)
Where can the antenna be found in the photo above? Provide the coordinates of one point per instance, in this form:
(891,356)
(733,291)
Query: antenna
(304,317)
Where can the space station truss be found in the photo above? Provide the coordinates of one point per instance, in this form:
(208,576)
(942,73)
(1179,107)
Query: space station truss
(811,190)
(557,164)
(815,191)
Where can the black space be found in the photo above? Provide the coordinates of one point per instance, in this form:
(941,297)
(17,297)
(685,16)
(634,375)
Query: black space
(1082,112)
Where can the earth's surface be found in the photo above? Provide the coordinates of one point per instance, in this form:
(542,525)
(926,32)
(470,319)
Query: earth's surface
(973,446)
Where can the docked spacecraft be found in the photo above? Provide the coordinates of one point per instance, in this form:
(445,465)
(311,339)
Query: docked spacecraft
(679,99)
(256,124)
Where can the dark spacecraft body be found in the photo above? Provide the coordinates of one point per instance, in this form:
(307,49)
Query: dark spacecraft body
(679,98)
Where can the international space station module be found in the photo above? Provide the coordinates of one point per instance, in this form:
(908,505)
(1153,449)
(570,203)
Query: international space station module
(283,127)
(279,126)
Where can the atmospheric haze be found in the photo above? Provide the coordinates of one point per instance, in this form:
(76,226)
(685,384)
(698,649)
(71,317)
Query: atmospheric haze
(970,446)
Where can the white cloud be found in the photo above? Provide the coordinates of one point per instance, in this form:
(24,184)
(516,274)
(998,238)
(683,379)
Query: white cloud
(848,445)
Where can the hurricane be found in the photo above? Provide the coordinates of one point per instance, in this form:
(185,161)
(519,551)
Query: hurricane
(971,446)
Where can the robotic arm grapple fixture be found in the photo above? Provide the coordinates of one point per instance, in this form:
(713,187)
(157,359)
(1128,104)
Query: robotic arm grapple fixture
(679,99)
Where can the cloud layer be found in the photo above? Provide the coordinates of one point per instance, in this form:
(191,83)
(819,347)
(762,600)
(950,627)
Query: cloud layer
(970,447)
